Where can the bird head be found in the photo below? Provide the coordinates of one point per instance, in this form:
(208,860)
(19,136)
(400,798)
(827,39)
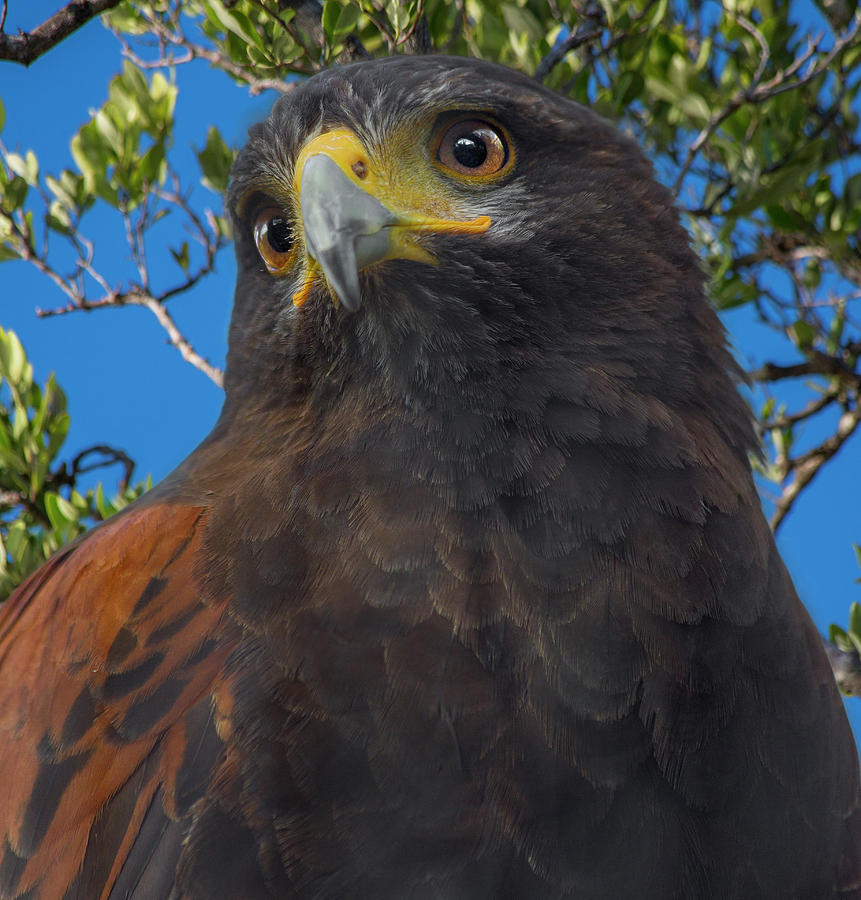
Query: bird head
(440,224)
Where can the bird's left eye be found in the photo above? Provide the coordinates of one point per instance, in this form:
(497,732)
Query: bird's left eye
(473,148)
(274,237)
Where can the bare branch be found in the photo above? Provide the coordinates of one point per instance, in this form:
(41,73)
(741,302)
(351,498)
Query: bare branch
(788,420)
(171,35)
(816,364)
(111,455)
(764,51)
(758,92)
(215,59)
(179,341)
(21,240)
(588,31)
(156,306)
(23,245)
(807,466)
(26,47)
(12,498)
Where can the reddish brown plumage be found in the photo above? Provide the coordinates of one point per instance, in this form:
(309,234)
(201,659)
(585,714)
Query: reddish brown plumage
(90,647)
(467,595)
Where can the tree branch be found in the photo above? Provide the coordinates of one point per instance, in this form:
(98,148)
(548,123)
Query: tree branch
(111,455)
(179,341)
(807,466)
(817,364)
(758,91)
(26,47)
(558,53)
(788,420)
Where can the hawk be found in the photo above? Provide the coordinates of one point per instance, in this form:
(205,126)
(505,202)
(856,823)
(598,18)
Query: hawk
(468,594)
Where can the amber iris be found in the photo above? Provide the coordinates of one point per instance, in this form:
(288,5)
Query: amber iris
(274,237)
(473,148)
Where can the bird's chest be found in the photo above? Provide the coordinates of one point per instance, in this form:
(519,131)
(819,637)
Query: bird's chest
(424,636)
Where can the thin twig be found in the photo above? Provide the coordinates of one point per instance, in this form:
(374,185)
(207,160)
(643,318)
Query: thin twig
(26,47)
(806,467)
(173,36)
(113,455)
(554,57)
(593,23)
(12,498)
(759,92)
(764,51)
(816,364)
(179,341)
(788,420)
(23,246)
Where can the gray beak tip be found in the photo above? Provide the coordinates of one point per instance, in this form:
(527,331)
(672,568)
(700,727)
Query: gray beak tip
(346,228)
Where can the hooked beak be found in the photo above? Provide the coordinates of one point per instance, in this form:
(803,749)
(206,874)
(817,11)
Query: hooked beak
(352,218)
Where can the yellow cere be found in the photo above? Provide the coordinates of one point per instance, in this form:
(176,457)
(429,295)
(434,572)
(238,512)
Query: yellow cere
(409,188)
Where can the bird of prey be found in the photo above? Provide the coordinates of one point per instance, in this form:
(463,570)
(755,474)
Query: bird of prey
(468,594)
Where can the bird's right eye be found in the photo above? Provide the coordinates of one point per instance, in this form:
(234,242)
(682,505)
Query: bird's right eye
(275,238)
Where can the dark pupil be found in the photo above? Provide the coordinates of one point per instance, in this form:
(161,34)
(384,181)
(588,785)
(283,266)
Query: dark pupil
(279,234)
(470,150)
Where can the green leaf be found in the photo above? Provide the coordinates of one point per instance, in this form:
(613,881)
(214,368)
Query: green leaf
(164,95)
(152,168)
(104,508)
(25,166)
(399,15)
(15,194)
(234,22)
(339,20)
(16,539)
(90,153)
(60,512)
(781,217)
(855,619)
(331,11)
(181,256)
(58,219)
(838,637)
(802,334)
(215,160)
(13,360)
(109,133)
(2,115)
(126,19)
(59,191)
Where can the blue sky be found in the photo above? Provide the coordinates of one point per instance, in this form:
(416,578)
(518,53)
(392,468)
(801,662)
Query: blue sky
(128,388)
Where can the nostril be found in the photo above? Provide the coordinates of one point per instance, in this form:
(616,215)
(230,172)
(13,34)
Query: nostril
(360,168)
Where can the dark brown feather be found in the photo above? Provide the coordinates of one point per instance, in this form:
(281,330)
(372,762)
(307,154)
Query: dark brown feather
(467,595)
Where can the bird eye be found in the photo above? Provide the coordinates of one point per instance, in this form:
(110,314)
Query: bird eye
(473,148)
(274,236)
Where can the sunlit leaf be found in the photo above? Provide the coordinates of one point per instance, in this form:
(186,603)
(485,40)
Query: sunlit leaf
(215,160)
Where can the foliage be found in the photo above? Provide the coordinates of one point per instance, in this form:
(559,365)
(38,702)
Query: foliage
(749,112)
(848,639)
(845,648)
(42,505)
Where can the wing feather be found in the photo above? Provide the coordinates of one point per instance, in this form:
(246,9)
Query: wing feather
(97,768)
